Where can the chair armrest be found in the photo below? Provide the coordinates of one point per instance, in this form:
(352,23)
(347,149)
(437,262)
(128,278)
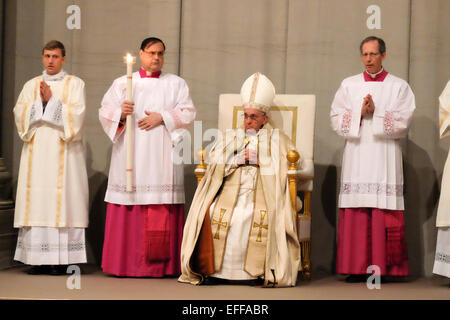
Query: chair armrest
(200,169)
(292,173)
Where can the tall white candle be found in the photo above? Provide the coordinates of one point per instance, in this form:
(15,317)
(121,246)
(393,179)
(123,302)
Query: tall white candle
(129,60)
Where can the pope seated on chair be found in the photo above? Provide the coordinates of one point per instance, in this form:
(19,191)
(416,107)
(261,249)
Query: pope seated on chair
(241,226)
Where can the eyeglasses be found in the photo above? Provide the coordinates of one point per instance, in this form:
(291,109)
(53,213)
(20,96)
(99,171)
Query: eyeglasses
(252,116)
(155,53)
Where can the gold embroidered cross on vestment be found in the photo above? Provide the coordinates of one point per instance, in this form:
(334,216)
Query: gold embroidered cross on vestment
(260,225)
(219,223)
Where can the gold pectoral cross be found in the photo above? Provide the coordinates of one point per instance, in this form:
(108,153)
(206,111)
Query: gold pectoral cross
(260,225)
(219,223)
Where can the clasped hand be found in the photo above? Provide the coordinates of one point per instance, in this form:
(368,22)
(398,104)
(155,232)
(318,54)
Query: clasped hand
(248,156)
(368,107)
(152,120)
(45,92)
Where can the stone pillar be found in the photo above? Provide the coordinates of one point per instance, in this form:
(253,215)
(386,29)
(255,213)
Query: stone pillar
(8,235)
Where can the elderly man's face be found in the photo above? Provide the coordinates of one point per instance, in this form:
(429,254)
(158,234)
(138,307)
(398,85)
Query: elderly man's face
(371,56)
(254,119)
(152,57)
(53,61)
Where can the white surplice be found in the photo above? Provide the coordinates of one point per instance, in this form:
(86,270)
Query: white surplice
(443,214)
(442,257)
(157,179)
(372,172)
(52,192)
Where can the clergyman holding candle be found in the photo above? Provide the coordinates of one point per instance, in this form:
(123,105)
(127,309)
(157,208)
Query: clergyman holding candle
(143,229)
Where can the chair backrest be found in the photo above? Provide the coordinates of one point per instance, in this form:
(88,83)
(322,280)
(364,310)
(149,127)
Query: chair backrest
(294,114)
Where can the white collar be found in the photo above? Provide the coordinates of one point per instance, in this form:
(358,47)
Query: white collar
(373,75)
(56,77)
(252,135)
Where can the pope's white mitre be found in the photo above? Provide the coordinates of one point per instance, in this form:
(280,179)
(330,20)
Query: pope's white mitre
(258,92)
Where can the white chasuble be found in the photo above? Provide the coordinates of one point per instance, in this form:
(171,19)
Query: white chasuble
(52,189)
(262,236)
(443,214)
(157,176)
(235,257)
(372,170)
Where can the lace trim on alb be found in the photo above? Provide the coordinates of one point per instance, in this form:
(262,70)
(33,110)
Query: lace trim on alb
(442,257)
(176,119)
(57,114)
(50,247)
(147,188)
(388,123)
(33,114)
(346,122)
(372,188)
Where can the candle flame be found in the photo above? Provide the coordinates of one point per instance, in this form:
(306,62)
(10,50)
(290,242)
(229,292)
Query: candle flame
(129,58)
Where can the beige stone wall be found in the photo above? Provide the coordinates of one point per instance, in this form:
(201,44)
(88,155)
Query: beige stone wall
(303,46)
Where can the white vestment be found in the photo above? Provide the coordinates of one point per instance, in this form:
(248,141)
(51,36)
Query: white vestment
(46,245)
(443,215)
(372,172)
(442,257)
(240,224)
(52,191)
(280,255)
(157,179)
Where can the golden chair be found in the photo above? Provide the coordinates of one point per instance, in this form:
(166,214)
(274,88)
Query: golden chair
(294,114)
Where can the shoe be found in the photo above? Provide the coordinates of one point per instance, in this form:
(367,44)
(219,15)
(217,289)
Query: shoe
(58,270)
(356,278)
(42,269)
(251,282)
(393,279)
(212,281)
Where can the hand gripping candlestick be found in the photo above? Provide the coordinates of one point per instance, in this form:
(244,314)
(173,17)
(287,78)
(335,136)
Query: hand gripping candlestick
(129,60)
